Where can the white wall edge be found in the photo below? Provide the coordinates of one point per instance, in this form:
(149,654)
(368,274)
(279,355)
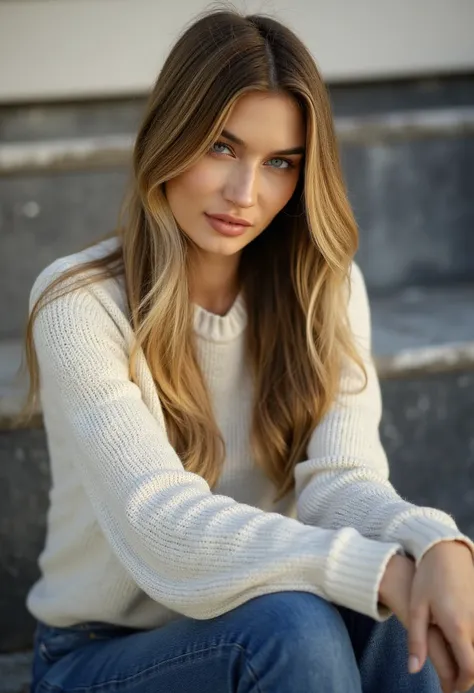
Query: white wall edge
(74,49)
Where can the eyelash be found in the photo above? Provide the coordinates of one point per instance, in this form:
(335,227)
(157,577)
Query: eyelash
(275,158)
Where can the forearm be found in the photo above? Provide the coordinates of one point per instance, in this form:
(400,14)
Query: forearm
(351,494)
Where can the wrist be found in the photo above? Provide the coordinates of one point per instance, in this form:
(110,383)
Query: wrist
(400,568)
(446,547)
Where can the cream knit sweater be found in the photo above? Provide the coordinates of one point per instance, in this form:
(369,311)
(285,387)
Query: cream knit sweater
(134,539)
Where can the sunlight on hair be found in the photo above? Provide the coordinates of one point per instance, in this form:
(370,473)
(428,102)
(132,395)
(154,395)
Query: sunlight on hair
(294,275)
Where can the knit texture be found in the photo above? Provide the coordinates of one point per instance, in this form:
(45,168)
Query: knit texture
(134,539)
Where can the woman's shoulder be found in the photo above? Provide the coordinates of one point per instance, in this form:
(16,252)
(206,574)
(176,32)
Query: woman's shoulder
(61,267)
(81,301)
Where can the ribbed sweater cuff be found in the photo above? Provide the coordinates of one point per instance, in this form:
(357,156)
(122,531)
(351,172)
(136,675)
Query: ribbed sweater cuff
(357,566)
(419,533)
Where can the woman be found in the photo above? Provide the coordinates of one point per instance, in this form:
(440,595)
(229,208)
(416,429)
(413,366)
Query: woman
(221,518)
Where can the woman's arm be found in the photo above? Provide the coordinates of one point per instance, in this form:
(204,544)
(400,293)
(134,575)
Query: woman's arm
(345,480)
(197,553)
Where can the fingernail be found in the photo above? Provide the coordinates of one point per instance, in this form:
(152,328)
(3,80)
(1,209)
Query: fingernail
(413,664)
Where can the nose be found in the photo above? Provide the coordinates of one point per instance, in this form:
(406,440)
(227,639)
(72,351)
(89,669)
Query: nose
(241,186)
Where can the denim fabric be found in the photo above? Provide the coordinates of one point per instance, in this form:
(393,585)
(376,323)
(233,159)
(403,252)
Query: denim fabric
(287,642)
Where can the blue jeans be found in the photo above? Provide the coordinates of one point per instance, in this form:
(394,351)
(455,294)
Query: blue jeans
(287,642)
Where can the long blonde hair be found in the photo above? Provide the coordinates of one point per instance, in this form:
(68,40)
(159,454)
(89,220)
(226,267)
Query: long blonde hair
(292,275)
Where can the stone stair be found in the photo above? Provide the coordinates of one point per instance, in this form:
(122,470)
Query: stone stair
(15,672)
(408,156)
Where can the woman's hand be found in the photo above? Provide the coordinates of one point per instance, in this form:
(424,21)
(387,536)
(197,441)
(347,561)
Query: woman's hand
(443,593)
(395,592)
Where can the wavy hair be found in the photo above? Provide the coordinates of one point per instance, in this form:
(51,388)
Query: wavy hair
(293,275)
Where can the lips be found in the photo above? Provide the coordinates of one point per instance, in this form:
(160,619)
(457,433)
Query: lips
(224,227)
(230,219)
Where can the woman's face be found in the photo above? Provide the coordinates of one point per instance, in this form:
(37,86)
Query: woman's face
(250,173)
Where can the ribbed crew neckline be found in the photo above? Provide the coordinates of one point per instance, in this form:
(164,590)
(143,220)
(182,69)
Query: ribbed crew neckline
(221,328)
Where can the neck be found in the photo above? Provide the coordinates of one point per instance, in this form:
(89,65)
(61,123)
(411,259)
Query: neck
(214,282)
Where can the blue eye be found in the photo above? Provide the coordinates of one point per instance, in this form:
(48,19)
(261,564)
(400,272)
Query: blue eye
(219,144)
(289,164)
(219,147)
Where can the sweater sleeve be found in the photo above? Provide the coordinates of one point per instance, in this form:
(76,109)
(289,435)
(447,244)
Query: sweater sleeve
(345,481)
(198,553)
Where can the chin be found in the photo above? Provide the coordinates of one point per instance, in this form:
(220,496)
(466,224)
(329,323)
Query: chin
(223,246)
(226,252)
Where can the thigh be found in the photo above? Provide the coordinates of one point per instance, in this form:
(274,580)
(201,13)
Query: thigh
(278,642)
(180,656)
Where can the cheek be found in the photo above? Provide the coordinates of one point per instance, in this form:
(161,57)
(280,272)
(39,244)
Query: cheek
(198,181)
(281,193)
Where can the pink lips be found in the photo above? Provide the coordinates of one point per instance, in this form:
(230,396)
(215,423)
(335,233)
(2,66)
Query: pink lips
(227,225)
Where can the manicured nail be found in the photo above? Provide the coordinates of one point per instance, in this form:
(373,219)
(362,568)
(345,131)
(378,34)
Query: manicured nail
(413,664)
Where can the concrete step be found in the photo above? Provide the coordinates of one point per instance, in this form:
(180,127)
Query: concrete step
(15,672)
(423,329)
(91,118)
(424,346)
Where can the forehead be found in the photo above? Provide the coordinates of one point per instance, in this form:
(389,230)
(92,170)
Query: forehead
(267,122)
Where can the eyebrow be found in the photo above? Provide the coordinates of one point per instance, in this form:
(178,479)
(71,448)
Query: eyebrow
(283,152)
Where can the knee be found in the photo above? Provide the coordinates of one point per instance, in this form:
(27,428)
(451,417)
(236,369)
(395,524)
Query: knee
(298,627)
